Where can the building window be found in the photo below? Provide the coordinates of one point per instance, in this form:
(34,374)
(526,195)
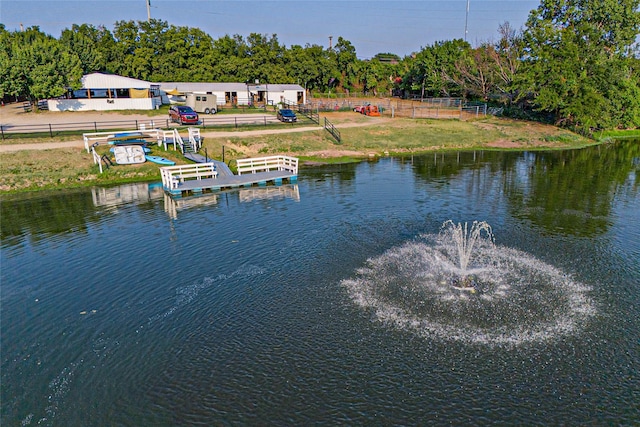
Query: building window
(99,93)
(79,94)
(122,93)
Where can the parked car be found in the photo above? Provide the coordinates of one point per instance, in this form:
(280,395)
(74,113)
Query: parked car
(183,115)
(287,116)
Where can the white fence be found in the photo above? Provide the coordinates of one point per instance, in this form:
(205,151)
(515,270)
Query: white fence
(265,164)
(172,176)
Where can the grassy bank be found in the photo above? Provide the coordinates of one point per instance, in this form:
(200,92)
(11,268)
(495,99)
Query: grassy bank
(398,137)
(362,137)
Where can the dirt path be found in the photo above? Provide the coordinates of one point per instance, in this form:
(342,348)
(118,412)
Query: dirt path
(10,148)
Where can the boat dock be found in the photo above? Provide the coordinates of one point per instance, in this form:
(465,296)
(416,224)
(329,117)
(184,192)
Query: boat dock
(184,180)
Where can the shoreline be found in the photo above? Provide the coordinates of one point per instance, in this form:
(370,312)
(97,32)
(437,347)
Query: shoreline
(50,164)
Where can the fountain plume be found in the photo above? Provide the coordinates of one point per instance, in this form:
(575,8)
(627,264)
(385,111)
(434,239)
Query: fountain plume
(466,238)
(458,285)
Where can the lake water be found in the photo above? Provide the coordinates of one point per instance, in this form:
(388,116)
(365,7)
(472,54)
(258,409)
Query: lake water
(331,301)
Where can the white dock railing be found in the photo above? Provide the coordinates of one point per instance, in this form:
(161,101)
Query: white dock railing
(96,158)
(177,138)
(195,139)
(103,137)
(167,137)
(265,164)
(174,175)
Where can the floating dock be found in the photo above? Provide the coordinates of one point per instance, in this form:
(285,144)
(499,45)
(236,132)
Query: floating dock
(184,180)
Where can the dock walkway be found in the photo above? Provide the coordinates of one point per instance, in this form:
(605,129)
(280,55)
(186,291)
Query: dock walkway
(215,175)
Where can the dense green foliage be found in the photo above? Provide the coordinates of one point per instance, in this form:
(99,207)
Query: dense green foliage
(576,63)
(35,65)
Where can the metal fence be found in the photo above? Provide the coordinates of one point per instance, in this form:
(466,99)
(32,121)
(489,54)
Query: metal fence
(427,108)
(56,129)
(439,108)
(329,127)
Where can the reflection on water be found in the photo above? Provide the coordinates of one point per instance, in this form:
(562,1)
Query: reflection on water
(330,301)
(271,193)
(562,191)
(173,205)
(127,193)
(112,197)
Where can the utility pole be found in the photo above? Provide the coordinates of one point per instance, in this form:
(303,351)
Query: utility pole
(466,20)
(330,38)
(148,10)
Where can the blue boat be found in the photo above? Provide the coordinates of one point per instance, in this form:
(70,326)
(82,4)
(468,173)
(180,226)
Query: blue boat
(127,135)
(129,142)
(160,160)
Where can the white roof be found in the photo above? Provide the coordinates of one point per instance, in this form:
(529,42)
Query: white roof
(282,87)
(203,87)
(112,81)
(225,87)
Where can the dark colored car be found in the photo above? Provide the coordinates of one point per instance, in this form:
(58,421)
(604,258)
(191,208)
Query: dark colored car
(183,115)
(287,116)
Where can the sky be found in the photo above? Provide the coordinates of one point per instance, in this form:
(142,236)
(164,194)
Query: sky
(373,26)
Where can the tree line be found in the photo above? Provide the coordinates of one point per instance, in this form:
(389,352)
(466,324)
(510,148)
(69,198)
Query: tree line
(575,63)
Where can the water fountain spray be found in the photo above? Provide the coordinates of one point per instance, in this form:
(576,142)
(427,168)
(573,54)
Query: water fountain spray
(459,285)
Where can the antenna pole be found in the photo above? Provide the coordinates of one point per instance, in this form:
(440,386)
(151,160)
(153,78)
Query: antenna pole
(148,10)
(466,20)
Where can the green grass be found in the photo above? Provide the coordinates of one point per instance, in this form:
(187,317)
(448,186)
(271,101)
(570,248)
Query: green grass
(32,170)
(635,133)
(163,110)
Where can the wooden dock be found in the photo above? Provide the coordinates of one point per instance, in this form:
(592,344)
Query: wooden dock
(184,180)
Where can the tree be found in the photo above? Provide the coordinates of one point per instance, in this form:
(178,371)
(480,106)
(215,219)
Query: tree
(36,66)
(307,65)
(346,62)
(476,71)
(377,77)
(187,56)
(95,47)
(230,60)
(576,61)
(433,70)
(507,57)
(266,56)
